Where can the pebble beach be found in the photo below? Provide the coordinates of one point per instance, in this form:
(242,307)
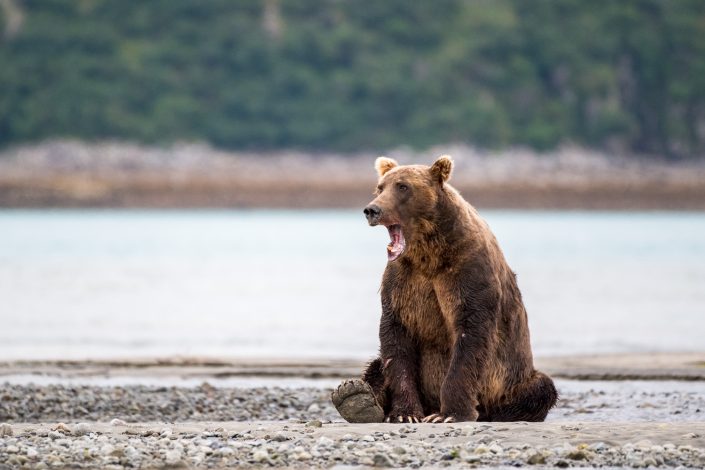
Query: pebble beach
(596,424)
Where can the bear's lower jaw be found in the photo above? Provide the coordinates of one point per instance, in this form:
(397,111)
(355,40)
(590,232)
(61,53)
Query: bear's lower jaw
(398,244)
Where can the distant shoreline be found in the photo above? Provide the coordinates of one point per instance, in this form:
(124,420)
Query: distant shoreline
(74,174)
(685,366)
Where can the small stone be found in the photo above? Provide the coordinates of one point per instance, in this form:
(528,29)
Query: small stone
(31,452)
(481,449)
(536,459)
(5,430)
(280,437)
(12,449)
(260,455)
(399,450)
(117,422)
(381,460)
(81,429)
(496,449)
(55,435)
(314,424)
(302,456)
(598,446)
(314,408)
(562,464)
(577,454)
(61,427)
(172,456)
(368,438)
(107,449)
(325,442)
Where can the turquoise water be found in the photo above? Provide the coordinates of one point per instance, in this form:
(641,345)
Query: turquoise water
(90,284)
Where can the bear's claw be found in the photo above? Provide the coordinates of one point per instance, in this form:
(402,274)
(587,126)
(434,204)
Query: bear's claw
(401,419)
(356,402)
(439,418)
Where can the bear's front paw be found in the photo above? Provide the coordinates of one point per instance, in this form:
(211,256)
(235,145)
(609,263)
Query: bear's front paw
(450,417)
(403,418)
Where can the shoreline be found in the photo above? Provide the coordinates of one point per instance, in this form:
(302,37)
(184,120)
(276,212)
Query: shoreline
(68,173)
(684,366)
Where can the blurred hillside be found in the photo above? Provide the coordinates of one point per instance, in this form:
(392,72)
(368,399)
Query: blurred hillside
(343,75)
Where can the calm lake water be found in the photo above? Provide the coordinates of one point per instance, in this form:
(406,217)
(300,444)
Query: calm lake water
(90,284)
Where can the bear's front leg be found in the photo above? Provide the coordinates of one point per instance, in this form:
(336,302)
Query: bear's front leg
(475,317)
(399,359)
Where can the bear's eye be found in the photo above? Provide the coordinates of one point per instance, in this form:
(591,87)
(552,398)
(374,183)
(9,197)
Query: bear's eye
(402,187)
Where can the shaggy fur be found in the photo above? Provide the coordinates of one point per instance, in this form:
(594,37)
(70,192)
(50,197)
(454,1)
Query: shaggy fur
(454,334)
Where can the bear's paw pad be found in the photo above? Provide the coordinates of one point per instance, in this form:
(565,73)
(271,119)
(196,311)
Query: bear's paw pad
(356,402)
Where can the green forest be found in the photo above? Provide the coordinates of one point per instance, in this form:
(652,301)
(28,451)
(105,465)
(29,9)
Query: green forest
(353,75)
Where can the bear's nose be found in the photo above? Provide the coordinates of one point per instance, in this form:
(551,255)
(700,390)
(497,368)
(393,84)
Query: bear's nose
(372,212)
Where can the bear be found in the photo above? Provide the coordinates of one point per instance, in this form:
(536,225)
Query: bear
(454,337)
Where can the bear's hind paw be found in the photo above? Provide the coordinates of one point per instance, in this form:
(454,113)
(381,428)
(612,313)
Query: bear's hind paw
(356,402)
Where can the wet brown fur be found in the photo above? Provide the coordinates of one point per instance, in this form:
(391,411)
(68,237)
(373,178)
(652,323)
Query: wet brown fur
(454,334)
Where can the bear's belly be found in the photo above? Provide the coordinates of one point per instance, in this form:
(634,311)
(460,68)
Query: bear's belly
(417,306)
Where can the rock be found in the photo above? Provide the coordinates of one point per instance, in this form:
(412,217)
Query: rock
(61,427)
(598,446)
(117,422)
(81,429)
(481,449)
(280,437)
(314,408)
(31,452)
(496,449)
(578,454)
(562,464)
(12,449)
(5,430)
(368,438)
(399,450)
(536,459)
(260,455)
(381,460)
(172,457)
(107,449)
(314,424)
(325,442)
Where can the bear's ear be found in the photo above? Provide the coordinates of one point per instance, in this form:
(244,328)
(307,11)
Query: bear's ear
(384,164)
(442,168)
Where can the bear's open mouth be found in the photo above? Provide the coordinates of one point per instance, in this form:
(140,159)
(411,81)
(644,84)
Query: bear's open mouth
(397,245)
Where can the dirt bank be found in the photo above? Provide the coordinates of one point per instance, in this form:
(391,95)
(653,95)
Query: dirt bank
(109,174)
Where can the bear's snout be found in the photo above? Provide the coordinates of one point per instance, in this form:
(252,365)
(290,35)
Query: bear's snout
(373,213)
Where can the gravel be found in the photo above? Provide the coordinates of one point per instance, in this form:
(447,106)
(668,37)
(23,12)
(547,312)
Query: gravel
(295,445)
(136,426)
(601,401)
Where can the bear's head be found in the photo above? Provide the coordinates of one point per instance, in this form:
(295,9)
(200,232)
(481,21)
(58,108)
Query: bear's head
(406,198)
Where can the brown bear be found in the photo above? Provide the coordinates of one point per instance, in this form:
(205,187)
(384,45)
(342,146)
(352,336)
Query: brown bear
(454,338)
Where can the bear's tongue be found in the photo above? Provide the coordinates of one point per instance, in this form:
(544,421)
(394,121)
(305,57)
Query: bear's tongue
(397,245)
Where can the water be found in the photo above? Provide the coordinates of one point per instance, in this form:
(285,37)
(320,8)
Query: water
(98,284)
